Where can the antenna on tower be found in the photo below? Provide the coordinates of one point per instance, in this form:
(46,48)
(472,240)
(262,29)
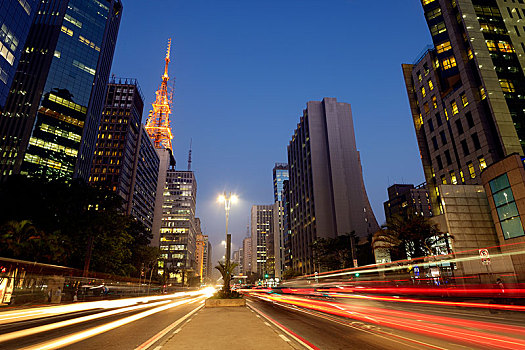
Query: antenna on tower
(189,156)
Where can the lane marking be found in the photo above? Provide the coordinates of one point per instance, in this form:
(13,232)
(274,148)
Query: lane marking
(158,348)
(382,334)
(51,326)
(76,337)
(177,330)
(266,323)
(301,341)
(148,343)
(284,338)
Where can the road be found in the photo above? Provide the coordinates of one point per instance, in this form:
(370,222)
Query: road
(332,323)
(106,325)
(320,322)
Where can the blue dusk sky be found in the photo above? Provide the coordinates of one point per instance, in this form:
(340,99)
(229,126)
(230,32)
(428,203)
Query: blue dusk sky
(244,71)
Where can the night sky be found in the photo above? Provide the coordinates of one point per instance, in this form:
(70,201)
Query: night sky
(244,71)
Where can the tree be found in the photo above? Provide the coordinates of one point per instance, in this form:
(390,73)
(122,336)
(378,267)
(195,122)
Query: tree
(71,223)
(226,270)
(335,253)
(409,237)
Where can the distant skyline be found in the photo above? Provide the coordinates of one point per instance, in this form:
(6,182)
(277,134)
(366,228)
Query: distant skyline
(243,73)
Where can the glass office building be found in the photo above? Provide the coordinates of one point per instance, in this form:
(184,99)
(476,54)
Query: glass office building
(15,21)
(51,119)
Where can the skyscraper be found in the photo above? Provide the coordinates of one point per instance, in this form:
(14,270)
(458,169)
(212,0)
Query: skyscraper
(406,200)
(247,258)
(466,95)
(178,230)
(15,18)
(50,121)
(125,159)
(327,192)
(280,174)
(261,228)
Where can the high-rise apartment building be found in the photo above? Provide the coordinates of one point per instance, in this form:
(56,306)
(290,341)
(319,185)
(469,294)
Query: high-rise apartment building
(201,256)
(178,230)
(247,256)
(261,228)
(144,185)
(50,121)
(125,159)
(466,97)
(15,20)
(118,138)
(327,192)
(280,174)
(406,200)
(466,91)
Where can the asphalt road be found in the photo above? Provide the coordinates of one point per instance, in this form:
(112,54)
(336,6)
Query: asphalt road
(418,327)
(133,326)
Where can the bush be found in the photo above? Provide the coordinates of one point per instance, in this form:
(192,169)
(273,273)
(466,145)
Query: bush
(222,295)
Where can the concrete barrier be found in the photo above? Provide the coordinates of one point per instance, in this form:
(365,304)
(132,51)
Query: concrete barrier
(225,302)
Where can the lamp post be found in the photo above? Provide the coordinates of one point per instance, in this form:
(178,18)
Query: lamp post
(227,199)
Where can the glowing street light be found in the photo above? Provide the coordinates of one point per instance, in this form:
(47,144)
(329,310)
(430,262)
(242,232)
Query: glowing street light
(227,199)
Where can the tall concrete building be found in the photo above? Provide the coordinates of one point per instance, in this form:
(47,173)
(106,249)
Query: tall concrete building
(406,200)
(261,228)
(327,192)
(50,121)
(125,159)
(201,256)
(247,256)
(144,185)
(178,230)
(15,20)
(466,97)
(276,248)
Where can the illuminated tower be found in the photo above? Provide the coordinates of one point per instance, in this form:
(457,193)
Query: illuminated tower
(158,123)
(159,130)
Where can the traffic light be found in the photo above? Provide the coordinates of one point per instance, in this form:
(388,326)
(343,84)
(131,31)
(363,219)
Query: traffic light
(357,274)
(266,276)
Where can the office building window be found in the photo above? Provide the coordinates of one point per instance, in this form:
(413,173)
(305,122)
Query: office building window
(506,207)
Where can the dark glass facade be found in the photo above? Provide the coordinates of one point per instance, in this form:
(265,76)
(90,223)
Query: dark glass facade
(51,119)
(15,21)
(280,174)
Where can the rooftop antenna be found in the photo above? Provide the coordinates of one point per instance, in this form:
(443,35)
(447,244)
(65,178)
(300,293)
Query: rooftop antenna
(189,156)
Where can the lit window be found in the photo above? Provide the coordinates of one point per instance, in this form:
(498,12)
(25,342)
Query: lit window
(426,2)
(453,178)
(434,102)
(423,92)
(471,170)
(438,29)
(482,93)
(430,85)
(491,45)
(469,54)
(455,109)
(67,31)
(464,100)
(443,179)
(462,177)
(449,62)
(504,46)
(506,207)
(443,47)
(482,163)
(507,85)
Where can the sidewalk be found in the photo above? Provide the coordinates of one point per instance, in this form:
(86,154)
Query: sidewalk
(227,328)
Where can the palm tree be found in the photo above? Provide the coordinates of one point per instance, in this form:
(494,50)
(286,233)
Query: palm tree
(414,236)
(15,236)
(226,271)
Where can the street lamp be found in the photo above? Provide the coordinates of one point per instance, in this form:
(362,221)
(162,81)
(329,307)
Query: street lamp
(227,199)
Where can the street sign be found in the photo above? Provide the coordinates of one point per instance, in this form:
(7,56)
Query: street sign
(355,262)
(485,256)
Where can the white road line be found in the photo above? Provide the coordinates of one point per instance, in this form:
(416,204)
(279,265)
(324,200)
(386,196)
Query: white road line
(177,330)
(266,323)
(149,343)
(284,338)
(158,348)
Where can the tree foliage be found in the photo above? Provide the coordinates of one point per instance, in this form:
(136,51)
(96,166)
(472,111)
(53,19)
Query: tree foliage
(226,269)
(414,236)
(58,221)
